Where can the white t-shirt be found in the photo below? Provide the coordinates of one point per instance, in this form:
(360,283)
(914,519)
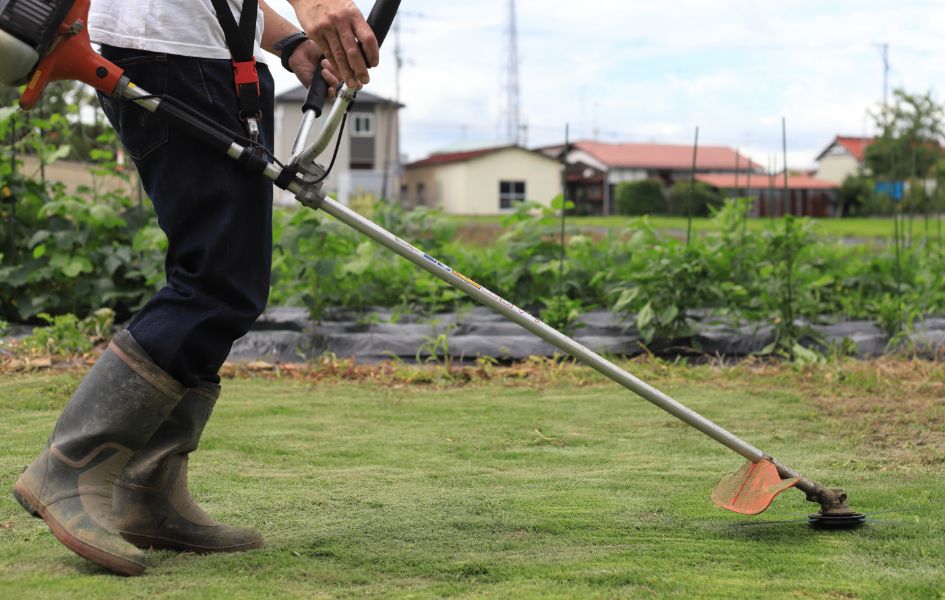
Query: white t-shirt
(182,27)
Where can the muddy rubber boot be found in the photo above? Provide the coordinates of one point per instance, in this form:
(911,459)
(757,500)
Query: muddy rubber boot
(115,410)
(154,508)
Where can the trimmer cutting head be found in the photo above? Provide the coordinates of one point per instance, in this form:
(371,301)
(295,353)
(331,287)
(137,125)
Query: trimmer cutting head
(752,489)
(848,521)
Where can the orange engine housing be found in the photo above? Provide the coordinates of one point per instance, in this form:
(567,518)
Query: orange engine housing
(71,57)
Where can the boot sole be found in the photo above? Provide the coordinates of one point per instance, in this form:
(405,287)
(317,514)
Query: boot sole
(109,561)
(151,543)
(24,503)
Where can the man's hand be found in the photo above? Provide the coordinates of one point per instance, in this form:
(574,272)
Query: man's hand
(337,26)
(304,61)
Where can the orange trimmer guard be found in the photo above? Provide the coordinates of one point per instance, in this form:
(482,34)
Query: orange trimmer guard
(751,489)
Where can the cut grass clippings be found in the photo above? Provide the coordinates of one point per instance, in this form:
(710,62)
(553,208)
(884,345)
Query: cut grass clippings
(541,480)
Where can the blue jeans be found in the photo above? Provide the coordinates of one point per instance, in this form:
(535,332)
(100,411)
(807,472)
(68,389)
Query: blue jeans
(217,217)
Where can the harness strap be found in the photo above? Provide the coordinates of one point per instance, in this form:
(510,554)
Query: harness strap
(240,38)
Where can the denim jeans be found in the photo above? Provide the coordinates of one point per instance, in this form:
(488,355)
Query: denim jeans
(217,217)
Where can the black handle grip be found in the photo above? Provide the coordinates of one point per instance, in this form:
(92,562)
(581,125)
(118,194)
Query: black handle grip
(382,17)
(380,21)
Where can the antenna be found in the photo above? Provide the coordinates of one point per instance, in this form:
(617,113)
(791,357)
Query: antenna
(513,127)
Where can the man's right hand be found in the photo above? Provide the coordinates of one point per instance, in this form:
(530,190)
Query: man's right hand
(337,26)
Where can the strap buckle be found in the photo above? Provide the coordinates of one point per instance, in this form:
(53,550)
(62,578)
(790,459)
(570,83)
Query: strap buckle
(248,91)
(252,128)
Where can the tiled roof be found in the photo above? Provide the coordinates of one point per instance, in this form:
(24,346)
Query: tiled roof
(726,181)
(454,157)
(297,96)
(856,146)
(665,156)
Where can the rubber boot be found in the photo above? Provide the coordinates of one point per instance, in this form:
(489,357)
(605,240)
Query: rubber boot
(115,410)
(153,506)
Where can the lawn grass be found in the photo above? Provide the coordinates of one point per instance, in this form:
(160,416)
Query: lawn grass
(561,487)
(860,228)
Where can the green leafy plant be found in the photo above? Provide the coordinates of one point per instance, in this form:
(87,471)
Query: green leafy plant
(562,313)
(67,334)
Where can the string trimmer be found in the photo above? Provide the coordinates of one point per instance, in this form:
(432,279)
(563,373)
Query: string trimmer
(47,40)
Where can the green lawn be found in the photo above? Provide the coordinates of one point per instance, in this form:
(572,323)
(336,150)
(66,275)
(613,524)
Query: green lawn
(559,488)
(863,228)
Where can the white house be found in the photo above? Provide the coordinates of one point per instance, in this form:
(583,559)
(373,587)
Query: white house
(487,181)
(368,157)
(845,156)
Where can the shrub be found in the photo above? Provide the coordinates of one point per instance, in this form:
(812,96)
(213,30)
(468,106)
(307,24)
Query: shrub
(702,199)
(640,197)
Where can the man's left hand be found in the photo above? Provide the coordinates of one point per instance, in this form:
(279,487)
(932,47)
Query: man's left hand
(304,61)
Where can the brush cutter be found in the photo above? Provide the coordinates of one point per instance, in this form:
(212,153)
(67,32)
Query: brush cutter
(47,40)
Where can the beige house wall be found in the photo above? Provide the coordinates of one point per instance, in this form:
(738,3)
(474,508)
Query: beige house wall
(542,177)
(836,168)
(472,187)
(444,186)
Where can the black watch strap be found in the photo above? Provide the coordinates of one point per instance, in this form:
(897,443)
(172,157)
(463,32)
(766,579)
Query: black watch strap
(287,45)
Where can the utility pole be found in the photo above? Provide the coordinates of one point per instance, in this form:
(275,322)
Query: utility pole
(513,129)
(392,163)
(884,51)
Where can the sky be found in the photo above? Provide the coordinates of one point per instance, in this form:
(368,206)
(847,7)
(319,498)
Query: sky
(635,71)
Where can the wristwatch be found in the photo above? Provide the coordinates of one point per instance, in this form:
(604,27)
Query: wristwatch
(287,45)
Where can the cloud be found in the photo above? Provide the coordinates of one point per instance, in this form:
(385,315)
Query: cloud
(642,71)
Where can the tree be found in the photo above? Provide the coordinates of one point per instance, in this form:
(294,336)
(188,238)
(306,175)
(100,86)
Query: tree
(910,143)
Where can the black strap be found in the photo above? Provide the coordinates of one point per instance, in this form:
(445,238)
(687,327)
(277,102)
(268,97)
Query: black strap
(240,38)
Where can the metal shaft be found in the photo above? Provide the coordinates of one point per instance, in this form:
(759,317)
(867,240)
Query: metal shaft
(483,295)
(539,328)
(308,120)
(831,501)
(339,109)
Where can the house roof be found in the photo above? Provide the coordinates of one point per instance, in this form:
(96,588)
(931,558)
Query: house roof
(855,146)
(443,158)
(297,96)
(726,181)
(664,156)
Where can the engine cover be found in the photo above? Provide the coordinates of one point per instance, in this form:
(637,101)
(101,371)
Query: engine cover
(27,30)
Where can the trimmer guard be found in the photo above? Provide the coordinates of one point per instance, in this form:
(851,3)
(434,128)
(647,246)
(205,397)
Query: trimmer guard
(751,489)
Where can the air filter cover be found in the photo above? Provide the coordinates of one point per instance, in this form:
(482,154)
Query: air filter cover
(18,62)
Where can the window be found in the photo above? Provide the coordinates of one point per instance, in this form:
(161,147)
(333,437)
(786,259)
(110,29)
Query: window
(421,194)
(363,125)
(511,192)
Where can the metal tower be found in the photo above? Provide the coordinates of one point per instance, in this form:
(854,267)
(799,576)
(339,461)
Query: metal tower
(513,125)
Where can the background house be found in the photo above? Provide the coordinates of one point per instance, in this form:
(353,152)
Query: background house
(487,181)
(845,156)
(806,196)
(369,156)
(595,168)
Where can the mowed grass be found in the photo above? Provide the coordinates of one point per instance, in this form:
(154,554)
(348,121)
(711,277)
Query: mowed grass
(560,490)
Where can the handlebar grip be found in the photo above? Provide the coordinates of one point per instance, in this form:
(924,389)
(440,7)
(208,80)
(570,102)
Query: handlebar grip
(317,93)
(380,20)
(382,17)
